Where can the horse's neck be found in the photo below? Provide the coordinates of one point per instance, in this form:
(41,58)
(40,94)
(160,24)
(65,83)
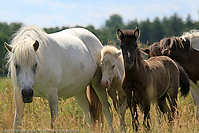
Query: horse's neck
(54,45)
(139,62)
(138,67)
(51,52)
(130,72)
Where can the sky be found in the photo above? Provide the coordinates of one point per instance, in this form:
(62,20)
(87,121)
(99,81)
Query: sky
(58,13)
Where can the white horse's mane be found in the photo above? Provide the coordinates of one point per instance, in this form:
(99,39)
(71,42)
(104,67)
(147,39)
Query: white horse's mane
(34,32)
(110,50)
(190,35)
(22,44)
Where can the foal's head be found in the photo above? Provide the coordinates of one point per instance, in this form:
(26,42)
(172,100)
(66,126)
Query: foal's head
(109,58)
(128,45)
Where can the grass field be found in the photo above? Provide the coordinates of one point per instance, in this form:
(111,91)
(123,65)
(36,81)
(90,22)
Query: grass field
(37,115)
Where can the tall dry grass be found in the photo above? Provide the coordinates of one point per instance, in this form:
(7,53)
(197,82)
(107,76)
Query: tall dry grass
(71,118)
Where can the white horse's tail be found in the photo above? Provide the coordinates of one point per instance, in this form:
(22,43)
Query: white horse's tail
(96,112)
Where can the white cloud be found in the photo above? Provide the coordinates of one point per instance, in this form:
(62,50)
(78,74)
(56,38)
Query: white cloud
(32,2)
(46,20)
(47,13)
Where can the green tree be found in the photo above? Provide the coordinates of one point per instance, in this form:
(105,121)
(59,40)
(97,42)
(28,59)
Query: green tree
(157,31)
(108,32)
(175,25)
(189,25)
(115,21)
(132,25)
(145,31)
(3,38)
(166,24)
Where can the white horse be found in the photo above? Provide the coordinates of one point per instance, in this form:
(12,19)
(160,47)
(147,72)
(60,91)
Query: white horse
(56,65)
(112,75)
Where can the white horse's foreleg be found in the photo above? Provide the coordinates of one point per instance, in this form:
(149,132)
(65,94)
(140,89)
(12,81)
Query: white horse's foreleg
(195,95)
(106,106)
(101,93)
(19,109)
(53,104)
(82,100)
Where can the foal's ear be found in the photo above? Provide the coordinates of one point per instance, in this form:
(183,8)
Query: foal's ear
(146,50)
(118,54)
(8,47)
(119,34)
(137,33)
(36,45)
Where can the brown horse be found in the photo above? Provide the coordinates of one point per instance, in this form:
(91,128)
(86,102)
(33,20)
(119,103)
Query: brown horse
(153,80)
(180,50)
(185,51)
(155,50)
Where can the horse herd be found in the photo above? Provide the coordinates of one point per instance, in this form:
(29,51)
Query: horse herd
(73,63)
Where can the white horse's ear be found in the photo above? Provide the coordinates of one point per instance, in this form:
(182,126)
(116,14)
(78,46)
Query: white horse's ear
(8,47)
(137,33)
(118,54)
(119,34)
(36,45)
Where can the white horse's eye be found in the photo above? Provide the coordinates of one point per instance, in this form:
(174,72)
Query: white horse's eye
(17,66)
(35,67)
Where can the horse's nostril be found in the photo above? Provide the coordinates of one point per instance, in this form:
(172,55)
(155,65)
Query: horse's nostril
(22,93)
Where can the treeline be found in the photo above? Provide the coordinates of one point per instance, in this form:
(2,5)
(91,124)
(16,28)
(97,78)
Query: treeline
(151,31)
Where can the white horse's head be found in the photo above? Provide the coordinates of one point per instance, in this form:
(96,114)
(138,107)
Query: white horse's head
(23,65)
(108,63)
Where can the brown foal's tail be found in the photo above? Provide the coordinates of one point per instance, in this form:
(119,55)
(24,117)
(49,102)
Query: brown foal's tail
(96,112)
(184,81)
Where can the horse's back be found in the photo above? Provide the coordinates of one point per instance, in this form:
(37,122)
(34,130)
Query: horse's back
(166,64)
(75,54)
(165,72)
(89,39)
(165,60)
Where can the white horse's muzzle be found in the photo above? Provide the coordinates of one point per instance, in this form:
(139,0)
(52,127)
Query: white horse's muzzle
(27,94)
